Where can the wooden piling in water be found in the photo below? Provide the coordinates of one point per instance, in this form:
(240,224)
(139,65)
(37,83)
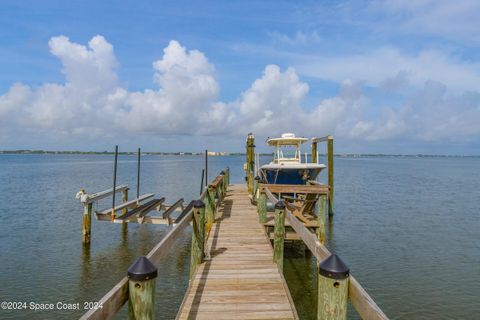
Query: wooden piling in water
(87,222)
(262,207)
(314,152)
(141,290)
(279,234)
(330,174)
(321,210)
(333,278)
(198,235)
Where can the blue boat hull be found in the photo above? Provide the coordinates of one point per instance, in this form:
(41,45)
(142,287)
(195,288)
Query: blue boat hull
(290,176)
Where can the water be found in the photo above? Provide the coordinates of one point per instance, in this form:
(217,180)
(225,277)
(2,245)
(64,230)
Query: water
(407,227)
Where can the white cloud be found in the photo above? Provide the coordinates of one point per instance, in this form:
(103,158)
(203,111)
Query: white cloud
(384,63)
(92,104)
(299,38)
(454,20)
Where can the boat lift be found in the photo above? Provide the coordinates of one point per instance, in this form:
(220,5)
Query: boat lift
(134,211)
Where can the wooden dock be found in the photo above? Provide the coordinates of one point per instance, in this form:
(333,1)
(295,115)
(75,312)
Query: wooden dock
(234,271)
(240,280)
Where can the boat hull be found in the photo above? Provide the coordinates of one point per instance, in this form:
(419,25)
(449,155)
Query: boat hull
(285,175)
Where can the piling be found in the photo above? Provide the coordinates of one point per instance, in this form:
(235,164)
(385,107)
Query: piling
(279,234)
(250,168)
(314,152)
(333,278)
(321,210)
(210,206)
(198,235)
(330,174)
(141,289)
(262,207)
(87,222)
(125,210)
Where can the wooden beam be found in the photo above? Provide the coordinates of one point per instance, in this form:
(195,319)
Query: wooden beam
(172,208)
(111,302)
(363,303)
(214,184)
(127,204)
(140,210)
(89,198)
(322,139)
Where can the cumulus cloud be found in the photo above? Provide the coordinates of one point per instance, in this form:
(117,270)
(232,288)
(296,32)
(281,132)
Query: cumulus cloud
(91,103)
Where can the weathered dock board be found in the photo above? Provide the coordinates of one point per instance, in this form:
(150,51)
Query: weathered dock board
(240,281)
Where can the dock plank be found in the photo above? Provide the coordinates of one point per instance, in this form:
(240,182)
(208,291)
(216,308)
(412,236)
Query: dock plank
(240,281)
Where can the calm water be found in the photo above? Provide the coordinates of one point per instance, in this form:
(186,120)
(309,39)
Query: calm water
(409,228)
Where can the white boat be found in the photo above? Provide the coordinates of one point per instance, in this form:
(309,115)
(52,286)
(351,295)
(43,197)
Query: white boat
(287,166)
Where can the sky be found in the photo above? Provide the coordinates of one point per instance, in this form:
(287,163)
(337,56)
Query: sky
(380,76)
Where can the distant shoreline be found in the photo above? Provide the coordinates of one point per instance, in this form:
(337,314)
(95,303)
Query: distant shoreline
(226,154)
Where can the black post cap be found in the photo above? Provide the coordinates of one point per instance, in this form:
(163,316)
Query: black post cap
(280,205)
(142,270)
(198,204)
(333,267)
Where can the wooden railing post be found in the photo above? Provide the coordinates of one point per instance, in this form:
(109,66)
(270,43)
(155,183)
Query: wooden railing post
(314,152)
(330,175)
(333,280)
(124,210)
(256,184)
(321,210)
(198,235)
(279,234)
(210,205)
(262,207)
(141,289)
(228,176)
(223,187)
(87,222)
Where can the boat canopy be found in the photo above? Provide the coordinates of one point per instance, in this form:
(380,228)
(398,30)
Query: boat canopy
(286,139)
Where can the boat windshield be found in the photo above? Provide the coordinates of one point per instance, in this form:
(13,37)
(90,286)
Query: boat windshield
(290,153)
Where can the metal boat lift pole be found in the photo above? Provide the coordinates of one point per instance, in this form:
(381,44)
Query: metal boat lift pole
(206,168)
(138,175)
(114,182)
(201,183)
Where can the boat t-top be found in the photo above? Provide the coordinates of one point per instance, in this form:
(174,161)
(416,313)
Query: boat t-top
(287,166)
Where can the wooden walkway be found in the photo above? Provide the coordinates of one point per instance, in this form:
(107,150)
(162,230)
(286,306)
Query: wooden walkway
(240,281)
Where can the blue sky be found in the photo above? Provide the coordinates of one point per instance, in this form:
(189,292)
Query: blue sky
(381,76)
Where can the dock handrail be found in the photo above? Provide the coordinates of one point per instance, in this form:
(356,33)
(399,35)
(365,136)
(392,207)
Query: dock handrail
(119,294)
(360,299)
